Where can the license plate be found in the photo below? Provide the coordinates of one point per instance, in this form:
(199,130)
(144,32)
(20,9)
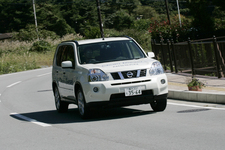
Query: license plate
(131,91)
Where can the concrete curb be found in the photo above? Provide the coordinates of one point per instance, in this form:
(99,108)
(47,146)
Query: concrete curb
(197,96)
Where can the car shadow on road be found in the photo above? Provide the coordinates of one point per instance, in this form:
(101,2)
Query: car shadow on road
(72,116)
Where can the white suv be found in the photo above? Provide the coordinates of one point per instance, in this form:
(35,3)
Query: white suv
(101,73)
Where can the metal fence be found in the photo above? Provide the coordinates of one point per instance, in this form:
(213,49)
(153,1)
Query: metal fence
(200,57)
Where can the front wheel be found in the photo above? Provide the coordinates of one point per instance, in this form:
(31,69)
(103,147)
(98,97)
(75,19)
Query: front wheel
(82,107)
(159,105)
(60,105)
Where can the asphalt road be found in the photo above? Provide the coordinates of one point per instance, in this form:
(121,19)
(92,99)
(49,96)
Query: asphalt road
(29,121)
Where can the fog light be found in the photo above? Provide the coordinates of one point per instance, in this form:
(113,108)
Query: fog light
(95,89)
(163,81)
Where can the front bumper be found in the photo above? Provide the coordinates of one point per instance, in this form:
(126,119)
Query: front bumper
(135,100)
(115,89)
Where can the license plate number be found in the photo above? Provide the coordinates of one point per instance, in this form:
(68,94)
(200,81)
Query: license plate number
(133,91)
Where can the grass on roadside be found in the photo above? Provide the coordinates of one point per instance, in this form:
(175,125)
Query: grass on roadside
(15,55)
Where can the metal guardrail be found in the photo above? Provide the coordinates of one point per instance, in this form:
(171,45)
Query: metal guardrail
(199,57)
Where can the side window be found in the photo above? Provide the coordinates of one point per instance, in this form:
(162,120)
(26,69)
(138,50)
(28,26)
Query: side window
(135,50)
(61,55)
(70,54)
(64,54)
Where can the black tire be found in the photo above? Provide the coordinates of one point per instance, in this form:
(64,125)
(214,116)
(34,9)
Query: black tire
(83,110)
(159,105)
(59,104)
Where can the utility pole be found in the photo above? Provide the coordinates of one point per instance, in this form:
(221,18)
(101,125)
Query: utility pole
(179,13)
(100,19)
(167,10)
(35,19)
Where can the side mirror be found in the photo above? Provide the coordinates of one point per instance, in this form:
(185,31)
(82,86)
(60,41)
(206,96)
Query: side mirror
(67,64)
(151,54)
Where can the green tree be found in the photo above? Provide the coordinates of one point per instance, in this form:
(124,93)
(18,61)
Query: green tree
(14,15)
(146,2)
(130,5)
(49,16)
(118,14)
(146,12)
(122,20)
(79,14)
(220,4)
(202,20)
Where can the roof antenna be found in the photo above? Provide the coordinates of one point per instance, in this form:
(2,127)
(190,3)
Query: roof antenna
(100,19)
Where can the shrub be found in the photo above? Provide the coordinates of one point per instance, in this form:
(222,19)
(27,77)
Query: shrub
(146,12)
(62,28)
(142,37)
(1,52)
(40,46)
(92,32)
(142,24)
(121,20)
(30,34)
(195,82)
(178,33)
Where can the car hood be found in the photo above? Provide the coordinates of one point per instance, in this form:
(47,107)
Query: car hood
(121,65)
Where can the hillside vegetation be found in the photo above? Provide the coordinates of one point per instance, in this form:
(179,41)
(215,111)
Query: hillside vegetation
(60,20)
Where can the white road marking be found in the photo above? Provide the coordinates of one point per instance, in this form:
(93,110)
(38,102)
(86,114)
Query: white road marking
(0,99)
(178,104)
(30,120)
(44,74)
(4,75)
(13,84)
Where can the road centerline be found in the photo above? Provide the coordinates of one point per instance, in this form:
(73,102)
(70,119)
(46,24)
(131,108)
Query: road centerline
(44,74)
(13,84)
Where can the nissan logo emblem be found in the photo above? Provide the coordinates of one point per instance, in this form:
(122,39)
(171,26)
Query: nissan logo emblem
(129,74)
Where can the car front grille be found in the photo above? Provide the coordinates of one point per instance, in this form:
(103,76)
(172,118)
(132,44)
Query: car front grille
(133,82)
(128,74)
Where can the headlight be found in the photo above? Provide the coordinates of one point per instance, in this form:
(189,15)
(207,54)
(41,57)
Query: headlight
(156,69)
(97,75)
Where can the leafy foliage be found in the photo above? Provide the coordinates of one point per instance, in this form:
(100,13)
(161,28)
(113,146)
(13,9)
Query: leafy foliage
(122,20)
(50,18)
(41,46)
(219,21)
(146,12)
(142,37)
(141,24)
(61,17)
(30,34)
(164,30)
(14,17)
(203,21)
(195,82)
(92,32)
(219,3)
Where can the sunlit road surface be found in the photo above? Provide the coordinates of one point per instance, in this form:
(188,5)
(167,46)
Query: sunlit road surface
(29,121)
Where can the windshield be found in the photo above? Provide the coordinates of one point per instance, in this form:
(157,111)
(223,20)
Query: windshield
(109,51)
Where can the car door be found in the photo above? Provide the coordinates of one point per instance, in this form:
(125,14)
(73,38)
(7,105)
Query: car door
(58,70)
(68,77)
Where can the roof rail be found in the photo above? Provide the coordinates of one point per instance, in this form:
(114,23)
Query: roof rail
(128,37)
(71,41)
(123,36)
